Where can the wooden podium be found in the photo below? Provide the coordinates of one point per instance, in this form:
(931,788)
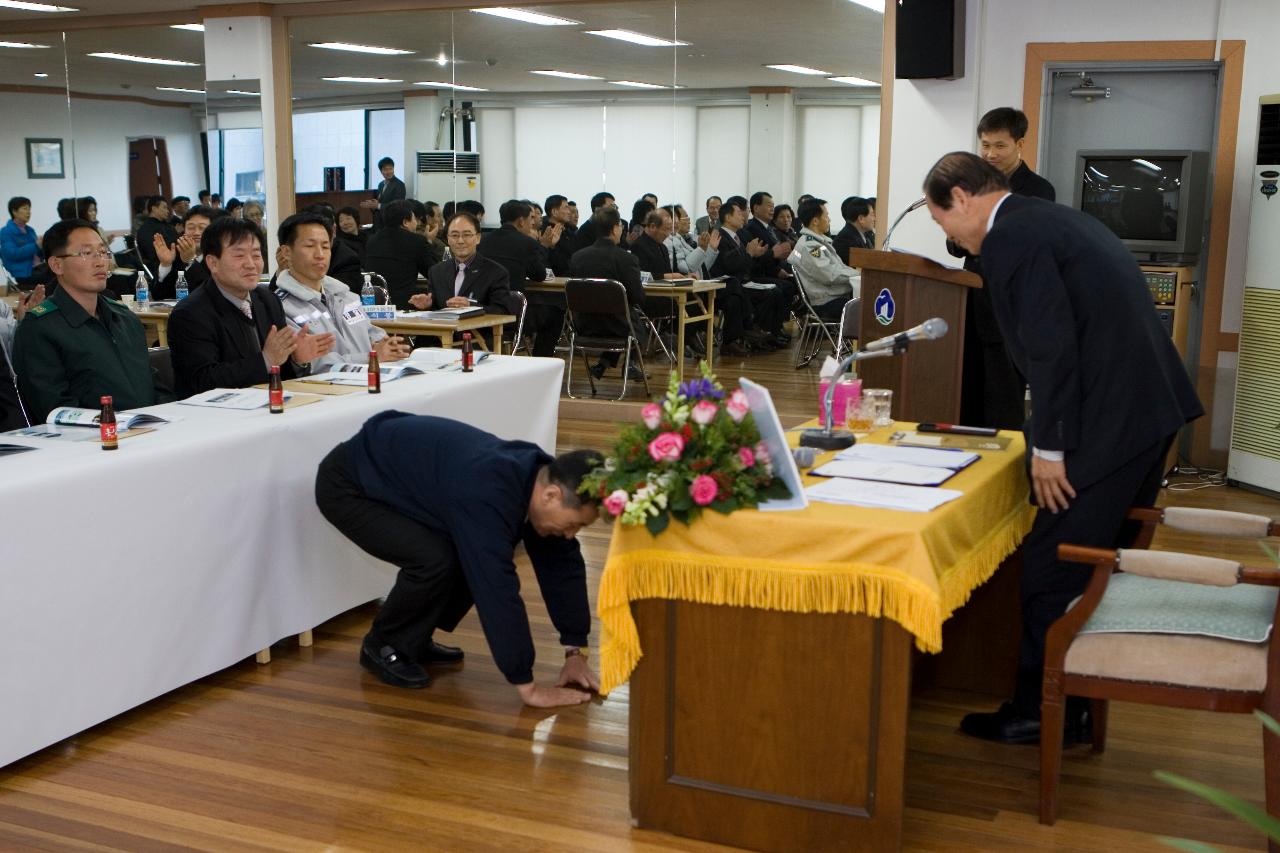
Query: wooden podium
(926,379)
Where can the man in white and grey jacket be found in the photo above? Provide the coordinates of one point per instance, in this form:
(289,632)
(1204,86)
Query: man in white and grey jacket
(828,281)
(324,304)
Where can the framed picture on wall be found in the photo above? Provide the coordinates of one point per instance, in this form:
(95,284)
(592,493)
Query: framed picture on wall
(44,158)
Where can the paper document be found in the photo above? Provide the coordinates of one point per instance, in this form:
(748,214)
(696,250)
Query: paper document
(450,314)
(758,285)
(14,449)
(840,490)
(429,359)
(775,439)
(885,472)
(940,458)
(358,374)
(245,399)
(73,416)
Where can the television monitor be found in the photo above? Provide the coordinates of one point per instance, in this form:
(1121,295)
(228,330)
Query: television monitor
(1152,200)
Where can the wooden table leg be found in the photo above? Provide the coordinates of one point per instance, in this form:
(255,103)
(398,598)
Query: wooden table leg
(162,333)
(678,355)
(711,326)
(305,639)
(263,656)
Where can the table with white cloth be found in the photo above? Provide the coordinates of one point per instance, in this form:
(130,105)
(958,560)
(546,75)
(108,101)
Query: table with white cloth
(127,574)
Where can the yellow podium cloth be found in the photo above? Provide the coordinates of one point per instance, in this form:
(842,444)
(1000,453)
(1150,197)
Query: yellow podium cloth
(913,568)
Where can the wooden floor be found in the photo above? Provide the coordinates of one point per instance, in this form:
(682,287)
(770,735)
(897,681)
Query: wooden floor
(310,753)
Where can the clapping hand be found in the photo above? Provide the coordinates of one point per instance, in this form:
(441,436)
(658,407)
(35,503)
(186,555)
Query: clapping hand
(421,301)
(781,250)
(27,301)
(552,235)
(310,347)
(391,348)
(187,248)
(756,248)
(164,252)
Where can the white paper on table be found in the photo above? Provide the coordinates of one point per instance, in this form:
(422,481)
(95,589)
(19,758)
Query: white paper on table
(775,439)
(885,472)
(244,399)
(840,490)
(941,458)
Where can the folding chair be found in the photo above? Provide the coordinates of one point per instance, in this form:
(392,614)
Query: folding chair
(594,298)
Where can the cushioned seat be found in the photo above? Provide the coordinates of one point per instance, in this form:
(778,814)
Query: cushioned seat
(1177,659)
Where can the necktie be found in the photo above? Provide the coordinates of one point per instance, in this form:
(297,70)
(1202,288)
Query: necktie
(246,308)
(457,279)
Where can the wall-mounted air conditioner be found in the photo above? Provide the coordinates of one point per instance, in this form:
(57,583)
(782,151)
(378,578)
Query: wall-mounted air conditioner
(447,176)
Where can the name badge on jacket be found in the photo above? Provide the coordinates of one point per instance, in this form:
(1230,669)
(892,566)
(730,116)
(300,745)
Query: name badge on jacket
(353,314)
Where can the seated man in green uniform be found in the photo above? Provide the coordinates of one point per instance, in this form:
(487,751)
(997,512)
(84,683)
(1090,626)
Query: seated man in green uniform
(77,345)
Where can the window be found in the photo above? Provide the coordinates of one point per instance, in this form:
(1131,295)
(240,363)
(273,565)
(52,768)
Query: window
(386,139)
(334,138)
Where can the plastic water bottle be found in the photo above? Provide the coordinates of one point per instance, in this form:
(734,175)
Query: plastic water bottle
(181,287)
(141,292)
(368,296)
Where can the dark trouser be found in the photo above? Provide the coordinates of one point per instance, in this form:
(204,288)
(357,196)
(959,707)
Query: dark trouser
(992,391)
(1096,518)
(546,321)
(833,310)
(430,591)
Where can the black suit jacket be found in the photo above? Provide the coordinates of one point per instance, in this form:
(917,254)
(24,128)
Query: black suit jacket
(197,274)
(766,266)
(213,345)
(559,255)
(605,259)
(654,258)
(732,260)
(849,238)
(146,241)
(399,256)
(345,264)
(1106,381)
(520,255)
(485,281)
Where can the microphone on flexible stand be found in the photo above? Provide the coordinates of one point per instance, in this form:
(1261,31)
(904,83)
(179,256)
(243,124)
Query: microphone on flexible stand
(915,205)
(929,330)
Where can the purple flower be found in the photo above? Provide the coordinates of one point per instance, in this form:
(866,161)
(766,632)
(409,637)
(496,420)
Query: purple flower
(700,389)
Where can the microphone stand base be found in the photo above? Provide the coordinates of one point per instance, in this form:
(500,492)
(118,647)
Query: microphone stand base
(823,440)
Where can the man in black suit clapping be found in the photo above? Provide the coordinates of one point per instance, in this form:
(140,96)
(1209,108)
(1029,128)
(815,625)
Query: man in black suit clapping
(606,259)
(525,259)
(398,253)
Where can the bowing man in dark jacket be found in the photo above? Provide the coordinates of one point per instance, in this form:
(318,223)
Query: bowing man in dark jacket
(398,253)
(466,278)
(230,331)
(525,260)
(606,259)
(1108,391)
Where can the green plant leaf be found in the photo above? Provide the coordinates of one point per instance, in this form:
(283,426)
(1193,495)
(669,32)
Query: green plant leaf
(680,500)
(725,506)
(657,523)
(1268,721)
(1247,812)
(777,489)
(1270,552)
(1188,845)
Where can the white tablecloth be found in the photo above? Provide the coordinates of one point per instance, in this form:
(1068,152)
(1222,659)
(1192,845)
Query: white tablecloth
(124,575)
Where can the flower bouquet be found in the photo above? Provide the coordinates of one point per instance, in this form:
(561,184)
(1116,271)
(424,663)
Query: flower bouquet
(697,449)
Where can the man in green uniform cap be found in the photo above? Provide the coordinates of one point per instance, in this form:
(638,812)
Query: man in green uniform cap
(78,345)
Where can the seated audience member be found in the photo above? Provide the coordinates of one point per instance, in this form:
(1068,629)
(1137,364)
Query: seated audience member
(215,201)
(203,197)
(398,253)
(184,255)
(470,205)
(573,214)
(253,212)
(711,221)
(429,228)
(77,345)
(856,213)
(350,232)
(12,415)
(691,256)
(344,264)
(435,231)
(314,299)
(525,260)
(761,308)
(178,207)
(449,504)
(559,215)
(230,332)
(606,259)
(783,223)
(587,233)
(235,207)
(155,223)
(87,209)
(639,212)
(650,248)
(466,278)
(67,208)
(828,282)
(770,266)
(870,233)
(652,198)
(19,245)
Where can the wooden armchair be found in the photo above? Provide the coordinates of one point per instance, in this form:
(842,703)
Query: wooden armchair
(1089,652)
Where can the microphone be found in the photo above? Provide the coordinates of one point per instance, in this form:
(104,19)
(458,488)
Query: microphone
(929,330)
(915,205)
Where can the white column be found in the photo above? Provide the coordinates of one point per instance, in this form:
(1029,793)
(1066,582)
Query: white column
(771,158)
(421,128)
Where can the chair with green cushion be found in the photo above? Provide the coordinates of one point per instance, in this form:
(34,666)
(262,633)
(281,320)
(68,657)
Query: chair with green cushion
(1164,628)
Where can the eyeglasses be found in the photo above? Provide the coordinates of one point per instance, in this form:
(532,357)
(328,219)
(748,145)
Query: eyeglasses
(458,235)
(90,255)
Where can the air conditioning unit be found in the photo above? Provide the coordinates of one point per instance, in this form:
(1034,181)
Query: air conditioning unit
(447,176)
(1254,459)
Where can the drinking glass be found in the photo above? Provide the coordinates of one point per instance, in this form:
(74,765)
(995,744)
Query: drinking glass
(882,402)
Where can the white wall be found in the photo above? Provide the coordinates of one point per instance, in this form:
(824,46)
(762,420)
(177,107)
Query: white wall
(101,153)
(721,165)
(828,165)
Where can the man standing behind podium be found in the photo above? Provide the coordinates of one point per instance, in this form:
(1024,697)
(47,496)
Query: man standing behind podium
(1108,391)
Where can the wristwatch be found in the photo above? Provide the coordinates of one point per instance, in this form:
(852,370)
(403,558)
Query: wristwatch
(574,651)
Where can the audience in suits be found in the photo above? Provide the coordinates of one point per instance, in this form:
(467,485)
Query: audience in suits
(350,232)
(560,215)
(184,256)
(691,256)
(748,311)
(525,259)
(606,259)
(155,222)
(587,232)
(858,219)
(398,253)
(466,278)
(711,221)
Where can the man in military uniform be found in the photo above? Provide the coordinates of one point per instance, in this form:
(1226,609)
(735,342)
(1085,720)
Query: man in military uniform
(77,345)
(827,280)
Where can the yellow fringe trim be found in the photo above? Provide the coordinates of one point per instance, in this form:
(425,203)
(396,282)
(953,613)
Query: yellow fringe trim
(743,582)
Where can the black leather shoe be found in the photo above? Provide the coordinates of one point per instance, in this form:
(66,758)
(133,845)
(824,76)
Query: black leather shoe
(440,653)
(391,667)
(735,348)
(1008,726)
(598,369)
(635,374)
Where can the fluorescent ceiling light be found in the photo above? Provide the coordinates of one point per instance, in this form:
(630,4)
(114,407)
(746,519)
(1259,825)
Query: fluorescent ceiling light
(179,89)
(568,75)
(636,38)
(636,85)
(34,7)
(361,80)
(149,60)
(457,86)
(24,44)
(854,81)
(527,17)
(41,74)
(243,92)
(195,28)
(361,48)
(798,69)
(873,5)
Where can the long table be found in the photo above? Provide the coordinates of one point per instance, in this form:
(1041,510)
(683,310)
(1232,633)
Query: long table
(137,571)
(444,330)
(699,293)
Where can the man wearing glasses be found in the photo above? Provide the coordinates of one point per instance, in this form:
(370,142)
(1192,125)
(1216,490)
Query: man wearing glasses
(77,345)
(466,278)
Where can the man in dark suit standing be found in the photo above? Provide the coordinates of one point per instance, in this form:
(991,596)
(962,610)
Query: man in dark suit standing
(606,259)
(398,253)
(465,278)
(525,260)
(1108,390)
(859,218)
(230,332)
(992,391)
(390,189)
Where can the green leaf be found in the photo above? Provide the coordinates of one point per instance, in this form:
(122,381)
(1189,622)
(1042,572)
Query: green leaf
(1270,552)
(657,523)
(679,500)
(1268,721)
(725,506)
(777,489)
(1188,845)
(1229,803)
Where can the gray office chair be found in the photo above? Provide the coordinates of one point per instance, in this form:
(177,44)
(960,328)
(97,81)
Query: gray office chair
(600,297)
(813,329)
(850,324)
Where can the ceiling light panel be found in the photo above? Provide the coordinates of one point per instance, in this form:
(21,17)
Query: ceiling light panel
(527,17)
(567,75)
(361,48)
(22,44)
(799,69)
(34,7)
(637,38)
(360,80)
(854,81)
(194,28)
(148,60)
(457,86)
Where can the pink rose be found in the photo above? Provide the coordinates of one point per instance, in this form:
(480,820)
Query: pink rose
(762,452)
(746,457)
(703,490)
(738,406)
(704,412)
(616,502)
(667,447)
(651,414)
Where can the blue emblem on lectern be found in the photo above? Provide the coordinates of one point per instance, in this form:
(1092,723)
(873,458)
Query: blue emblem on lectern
(885,309)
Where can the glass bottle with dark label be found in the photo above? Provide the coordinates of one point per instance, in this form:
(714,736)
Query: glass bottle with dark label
(275,392)
(107,424)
